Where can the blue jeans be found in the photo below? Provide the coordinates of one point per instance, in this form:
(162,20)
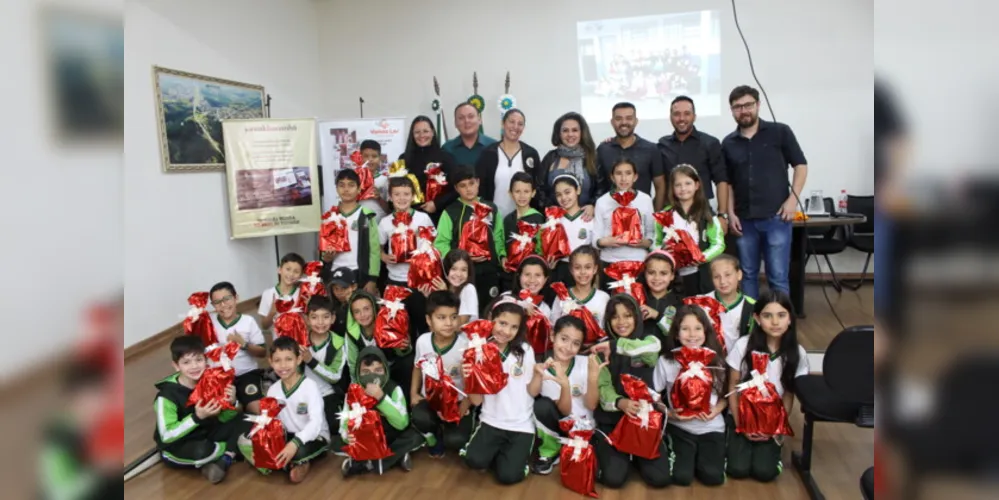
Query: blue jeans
(773,237)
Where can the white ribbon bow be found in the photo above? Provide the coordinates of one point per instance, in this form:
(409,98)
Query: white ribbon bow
(224,360)
(757,380)
(577,444)
(695,369)
(550,223)
(259,422)
(523,239)
(194,312)
(335,217)
(644,409)
(487,221)
(353,414)
(394,306)
(429,368)
(670,234)
(569,305)
(439,178)
(400,228)
(625,282)
(312,280)
(402,172)
(476,342)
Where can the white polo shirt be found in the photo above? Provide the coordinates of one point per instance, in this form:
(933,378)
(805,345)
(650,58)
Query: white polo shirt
(400,271)
(774,369)
(602,214)
(578,378)
(513,408)
(247,328)
(451,356)
(666,372)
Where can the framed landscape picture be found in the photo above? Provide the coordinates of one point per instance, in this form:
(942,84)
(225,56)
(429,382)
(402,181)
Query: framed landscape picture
(190,109)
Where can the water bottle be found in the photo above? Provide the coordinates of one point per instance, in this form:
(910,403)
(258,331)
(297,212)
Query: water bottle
(841,206)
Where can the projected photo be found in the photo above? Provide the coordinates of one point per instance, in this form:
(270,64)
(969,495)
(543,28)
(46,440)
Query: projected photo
(648,61)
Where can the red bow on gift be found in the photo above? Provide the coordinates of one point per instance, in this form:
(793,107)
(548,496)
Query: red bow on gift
(761,409)
(403,239)
(626,221)
(522,246)
(333,235)
(572,307)
(267,434)
(554,240)
(311,284)
(539,327)
(436,181)
(640,435)
(487,375)
(426,262)
(392,322)
(364,425)
(691,392)
(215,380)
(475,232)
(626,273)
(577,458)
(198,321)
(680,243)
(290,322)
(714,310)
(442,394)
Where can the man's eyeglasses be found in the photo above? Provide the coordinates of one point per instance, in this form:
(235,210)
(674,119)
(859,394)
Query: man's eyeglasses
(746,106)
(224,300)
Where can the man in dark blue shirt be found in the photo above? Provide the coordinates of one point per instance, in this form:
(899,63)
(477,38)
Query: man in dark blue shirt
(757,155)
(642,153)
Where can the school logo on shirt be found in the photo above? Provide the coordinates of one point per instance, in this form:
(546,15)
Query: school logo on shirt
(518,369)
(251,389)
(668,316)
(577,391)
(353,225)
(454,372)
(302,409)
(582,233)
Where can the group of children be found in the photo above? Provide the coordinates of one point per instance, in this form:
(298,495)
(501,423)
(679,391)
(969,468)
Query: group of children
(578,375)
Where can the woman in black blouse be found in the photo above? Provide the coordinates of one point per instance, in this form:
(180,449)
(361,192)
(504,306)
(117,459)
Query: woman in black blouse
(575,153)
(422,149)
(501,160)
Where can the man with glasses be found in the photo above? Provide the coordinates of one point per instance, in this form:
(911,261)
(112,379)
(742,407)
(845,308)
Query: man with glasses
(757,155)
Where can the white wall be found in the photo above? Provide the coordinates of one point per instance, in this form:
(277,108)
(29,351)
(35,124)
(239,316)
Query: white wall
(176,225)
(813,57)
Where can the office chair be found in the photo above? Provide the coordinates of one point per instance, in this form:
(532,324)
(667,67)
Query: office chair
(826,241)
(861,236)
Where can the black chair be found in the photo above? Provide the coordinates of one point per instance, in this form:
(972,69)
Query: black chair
(867,484)
(843,393)
(826,241)
(861,236)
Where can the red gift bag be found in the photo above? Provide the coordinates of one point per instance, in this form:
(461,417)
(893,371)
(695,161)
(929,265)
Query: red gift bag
(761,409)
(442,395)
(311,284)
(436,182)
(392,322)
(425,265)
(626,273)
(539,327)
(678,242)
(522,246)
(691,392)
(578,461)
(626,221)
(290,322)
(267,434)
(475,232)
(333,233)
(554,240)
(714,310)
(215,380)
(199,321)
(594,333)
(640,435)
(364,425)
(487,375)
(403,239)
(367,180)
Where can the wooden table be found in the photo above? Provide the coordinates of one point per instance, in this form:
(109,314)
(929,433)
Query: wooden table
(799,246)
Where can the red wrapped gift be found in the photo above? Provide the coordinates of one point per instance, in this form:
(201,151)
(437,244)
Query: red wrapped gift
(475,232)
(364,426)
(626,273)
(522,246)
(714,309)
(640,435)
(311,284)
(577,458)
(199,321)
(403,239)
(572,307)
(539,327)
(215,380)
(442,394)
(691,392)
(367,180)
(425,265)
(436,181)
(290,322)
(554,240)
(761,409)
(680,243)
(487,375)
(392,322)
(333,233)
(626,221)
(267,434)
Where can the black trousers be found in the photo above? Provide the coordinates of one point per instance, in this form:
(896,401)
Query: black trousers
(697,455)
(401,371)
(332,405)
(454,436)
(400,442)
(505,452)
(695,284)
(487,281)
(759,460)
(614,466)
(195,452)
(546,414)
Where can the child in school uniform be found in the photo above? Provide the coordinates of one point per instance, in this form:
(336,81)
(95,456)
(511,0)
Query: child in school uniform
(459,279)
(692,213)
(361,332)
(401,192)
(504,438)
(522,191)
(532,275)
(371,153)
(364,256)
(231,326)
(325,360)
(623,174)
(661,302)
(289,272)
(726,274)
(585,290)
(569,389)
(342,284)
(577,227)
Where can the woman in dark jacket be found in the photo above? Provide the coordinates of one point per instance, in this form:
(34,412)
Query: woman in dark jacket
(422,149)
(501,160)
(575,153)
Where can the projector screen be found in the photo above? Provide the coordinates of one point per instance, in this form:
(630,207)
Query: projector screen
(648,61)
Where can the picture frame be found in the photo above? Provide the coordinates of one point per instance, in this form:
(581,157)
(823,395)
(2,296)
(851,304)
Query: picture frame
(189,113)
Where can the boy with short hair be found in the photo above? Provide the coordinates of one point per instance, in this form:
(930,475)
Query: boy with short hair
(362,232)
(401,192)
(371,152)
(325,360)
(401,438)
(289,273)
(446,342)
(203,436)
(231,326)
(452,223)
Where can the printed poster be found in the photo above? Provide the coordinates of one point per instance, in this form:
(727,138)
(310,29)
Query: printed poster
(338,139)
